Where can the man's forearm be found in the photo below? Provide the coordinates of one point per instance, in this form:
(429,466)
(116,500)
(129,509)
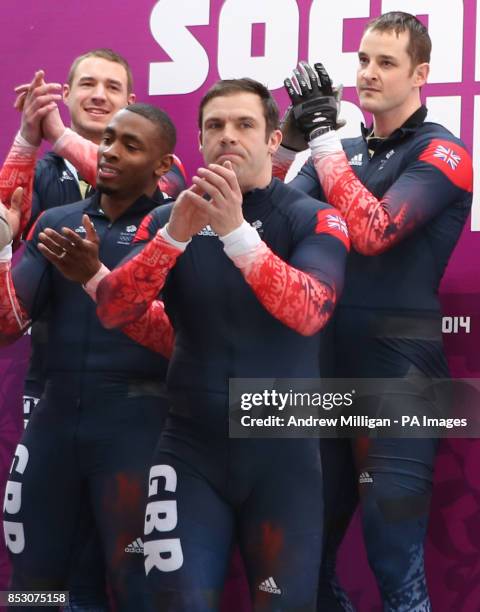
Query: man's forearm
(18,171)
(80,152)
(13,318)
(127,292)
(292,296)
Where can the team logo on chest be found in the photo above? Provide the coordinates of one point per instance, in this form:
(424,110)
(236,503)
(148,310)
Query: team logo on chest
(385,159)
(127,235)
(258,225)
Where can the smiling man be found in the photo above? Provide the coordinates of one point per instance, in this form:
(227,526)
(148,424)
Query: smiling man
(250,271)
(405,189)
(99,84)
(89,442)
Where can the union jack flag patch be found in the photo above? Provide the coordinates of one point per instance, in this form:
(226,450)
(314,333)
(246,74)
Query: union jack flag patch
(333,224)
(452,160)
(448,156)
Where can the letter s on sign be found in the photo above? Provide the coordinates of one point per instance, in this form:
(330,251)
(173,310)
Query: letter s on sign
(189,67)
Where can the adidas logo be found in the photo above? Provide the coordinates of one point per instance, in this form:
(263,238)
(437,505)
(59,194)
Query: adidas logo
(206,231)
(364,478)
(357,160)
(66,176)
(269,586)
(135,547)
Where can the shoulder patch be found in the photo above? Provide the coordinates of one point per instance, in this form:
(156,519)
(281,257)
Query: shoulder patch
(451,159)
(143,233)
(331,222)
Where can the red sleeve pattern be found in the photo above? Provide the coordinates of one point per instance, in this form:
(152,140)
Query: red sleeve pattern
(18,171)
(80,152)
(295,298)
(127,292)
(282,160)
(13,318)
(375,225)
(153,330)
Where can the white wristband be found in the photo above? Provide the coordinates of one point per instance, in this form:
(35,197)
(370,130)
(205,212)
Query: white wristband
(91,285)
(242,240)
(58,144)
(181,246)
(326,144)
(23,142)
(6,253)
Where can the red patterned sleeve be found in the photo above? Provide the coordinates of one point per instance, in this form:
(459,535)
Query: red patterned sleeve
(127,292)
(18,171)
(438,176)
(13,318)
(153,330)
(175,180)
(282,159)
(80,152)
(295,298)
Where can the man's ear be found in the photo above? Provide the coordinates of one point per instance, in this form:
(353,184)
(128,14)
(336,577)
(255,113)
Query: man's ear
(131,99)
(274,141)
(164,164)
(200,143)
(66,92)
(421,74)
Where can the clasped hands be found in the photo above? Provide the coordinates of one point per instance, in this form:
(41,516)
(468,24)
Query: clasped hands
(40,115)
(214,199)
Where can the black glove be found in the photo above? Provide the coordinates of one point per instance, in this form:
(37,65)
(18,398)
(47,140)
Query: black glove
(292,136)
(315,107)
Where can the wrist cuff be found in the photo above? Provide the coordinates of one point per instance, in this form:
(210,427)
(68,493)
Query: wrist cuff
(242,240)
(181,246)
(91,285)
(6,253)
(325,144)
(22,142)
(60,142)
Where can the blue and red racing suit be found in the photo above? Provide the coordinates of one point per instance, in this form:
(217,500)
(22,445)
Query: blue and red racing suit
(90,439)
(405,199)
(234,318)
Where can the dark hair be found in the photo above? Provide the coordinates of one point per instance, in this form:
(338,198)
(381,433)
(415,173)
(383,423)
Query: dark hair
(419,45)
(166,129)
(228,87)
(106,54)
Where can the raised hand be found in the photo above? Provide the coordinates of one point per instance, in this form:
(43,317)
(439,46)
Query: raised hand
(36,102)
(188,215)
(315,103)
(224,208)
(76,258)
